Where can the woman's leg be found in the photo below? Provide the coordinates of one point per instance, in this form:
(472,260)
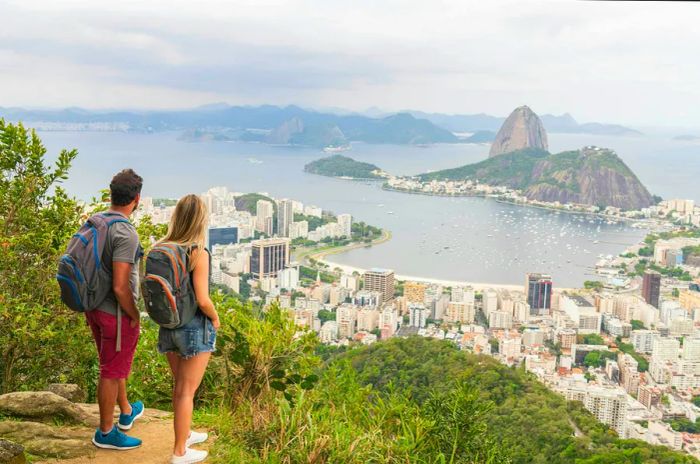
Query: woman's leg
(174,361)
(189,375)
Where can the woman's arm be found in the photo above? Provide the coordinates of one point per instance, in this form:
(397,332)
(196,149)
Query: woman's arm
(200,277)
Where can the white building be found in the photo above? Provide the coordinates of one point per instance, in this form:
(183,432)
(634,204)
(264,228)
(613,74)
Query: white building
(510,348)
(643,340)
(345,223)
(264,212)
(285,216)
(288,278)
(582,312)
(315,211)
(418,315)
(328,332)
(500,320)
(607,404)
(298,230)
(489,301)
(388,321)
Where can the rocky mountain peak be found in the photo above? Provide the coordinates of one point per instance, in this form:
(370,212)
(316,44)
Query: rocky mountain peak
(522,129)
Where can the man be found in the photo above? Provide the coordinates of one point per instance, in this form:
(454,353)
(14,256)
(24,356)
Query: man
(116,347)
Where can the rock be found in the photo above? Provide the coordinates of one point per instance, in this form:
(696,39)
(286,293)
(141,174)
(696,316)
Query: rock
(522,129)
(49,441)
(42,406)
(11,453)
(69,391)
(284,133)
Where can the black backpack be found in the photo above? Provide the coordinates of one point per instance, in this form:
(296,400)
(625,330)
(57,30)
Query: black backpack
(83,281)
(167,286)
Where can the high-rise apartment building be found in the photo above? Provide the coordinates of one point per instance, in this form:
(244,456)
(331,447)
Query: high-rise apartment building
(345,223)
(489,301)
(500,320)
(285,216)
(264,212)
(268,257)
(665,349)
(608,405)
(417,314)
(651,287)
(643,340)
(382,281)
(538,288)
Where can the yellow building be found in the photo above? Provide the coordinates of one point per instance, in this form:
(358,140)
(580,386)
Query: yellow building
(690,299)
(414,292)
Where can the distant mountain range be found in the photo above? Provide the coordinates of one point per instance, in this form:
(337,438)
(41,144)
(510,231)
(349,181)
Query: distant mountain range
(269,124)
(293,124)
(557,124)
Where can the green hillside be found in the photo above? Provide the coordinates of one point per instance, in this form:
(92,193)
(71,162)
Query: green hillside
(512,169)
(591,175)
(342,166)
(249,202)
(530,423)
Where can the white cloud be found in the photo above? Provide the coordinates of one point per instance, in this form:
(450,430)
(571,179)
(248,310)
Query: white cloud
(627,62)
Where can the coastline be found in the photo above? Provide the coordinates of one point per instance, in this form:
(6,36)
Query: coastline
(527,205)
(321,255)
(431,280)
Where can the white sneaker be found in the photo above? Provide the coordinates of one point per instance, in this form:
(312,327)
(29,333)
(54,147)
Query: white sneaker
(190,456)
(196,437)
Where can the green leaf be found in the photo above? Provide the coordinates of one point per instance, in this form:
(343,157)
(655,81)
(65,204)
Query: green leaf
(277,385)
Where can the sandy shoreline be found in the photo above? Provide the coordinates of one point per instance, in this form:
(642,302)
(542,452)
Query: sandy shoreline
(430,280)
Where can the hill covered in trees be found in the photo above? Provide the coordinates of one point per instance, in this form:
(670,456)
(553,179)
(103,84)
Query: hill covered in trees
(593,176)
(342,166)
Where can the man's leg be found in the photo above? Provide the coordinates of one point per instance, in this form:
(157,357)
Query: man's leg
(122,398)
(107,390)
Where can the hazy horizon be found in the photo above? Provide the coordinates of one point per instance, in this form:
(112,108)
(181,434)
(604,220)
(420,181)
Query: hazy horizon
(610,62)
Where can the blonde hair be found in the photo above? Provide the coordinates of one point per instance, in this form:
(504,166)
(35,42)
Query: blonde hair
(188,225)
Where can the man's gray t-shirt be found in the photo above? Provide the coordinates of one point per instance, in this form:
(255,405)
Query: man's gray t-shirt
(122,245)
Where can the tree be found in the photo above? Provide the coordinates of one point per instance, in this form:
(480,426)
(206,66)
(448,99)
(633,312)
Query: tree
(325,315)
(41,340)
(591,339)
(637,324)
(593,285)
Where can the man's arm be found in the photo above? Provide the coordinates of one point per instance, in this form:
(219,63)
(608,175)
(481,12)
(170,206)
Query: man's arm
(121,272)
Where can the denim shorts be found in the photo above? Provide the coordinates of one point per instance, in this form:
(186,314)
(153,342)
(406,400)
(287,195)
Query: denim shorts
(197,336)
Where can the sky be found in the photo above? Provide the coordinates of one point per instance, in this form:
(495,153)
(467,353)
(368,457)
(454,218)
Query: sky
(632,63)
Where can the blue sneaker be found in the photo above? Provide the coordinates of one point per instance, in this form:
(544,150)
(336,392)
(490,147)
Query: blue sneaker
(115,440)
(126,421)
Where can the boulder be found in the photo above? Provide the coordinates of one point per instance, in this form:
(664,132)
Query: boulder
(49,441)
(41,406)
(69,391)
(11,453)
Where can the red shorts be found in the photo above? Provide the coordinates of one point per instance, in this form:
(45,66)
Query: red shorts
(113,364)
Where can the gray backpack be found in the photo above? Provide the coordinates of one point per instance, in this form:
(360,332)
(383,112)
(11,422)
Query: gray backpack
(167,286)
(83,280)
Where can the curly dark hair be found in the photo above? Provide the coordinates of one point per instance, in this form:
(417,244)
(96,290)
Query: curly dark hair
(125,186)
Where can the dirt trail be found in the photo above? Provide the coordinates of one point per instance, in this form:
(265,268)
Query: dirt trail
(155,428)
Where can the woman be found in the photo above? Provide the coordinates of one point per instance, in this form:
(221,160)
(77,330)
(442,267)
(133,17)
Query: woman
(189,348)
